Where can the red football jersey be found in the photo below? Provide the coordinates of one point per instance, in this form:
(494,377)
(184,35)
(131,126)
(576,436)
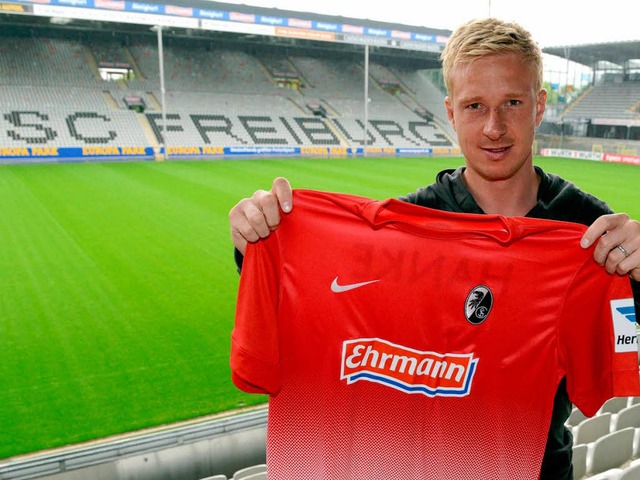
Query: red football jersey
(397,341)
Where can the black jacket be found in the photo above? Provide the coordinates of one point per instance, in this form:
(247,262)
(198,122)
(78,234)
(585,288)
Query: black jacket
(558,199)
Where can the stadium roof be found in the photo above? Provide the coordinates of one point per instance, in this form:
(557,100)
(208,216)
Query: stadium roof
(304,15)
(614,52)
(415,58)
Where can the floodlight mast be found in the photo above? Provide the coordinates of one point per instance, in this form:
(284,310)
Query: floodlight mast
(567,54)
(163,133)
(366,97)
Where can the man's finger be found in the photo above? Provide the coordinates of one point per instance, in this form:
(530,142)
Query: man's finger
(282,190)
(601,226)
(239,242)
(248,223)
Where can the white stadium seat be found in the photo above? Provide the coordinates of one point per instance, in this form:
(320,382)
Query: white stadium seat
(256,476)
(579,461)
(610,451)
(591,429)
(632,472)
(627,417)
(614,405)
(575,417)
(245,473)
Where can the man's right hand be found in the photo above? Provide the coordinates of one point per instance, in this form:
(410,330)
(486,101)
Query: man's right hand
(256,217)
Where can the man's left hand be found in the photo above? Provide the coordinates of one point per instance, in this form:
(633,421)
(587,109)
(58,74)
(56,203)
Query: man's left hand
(618,244)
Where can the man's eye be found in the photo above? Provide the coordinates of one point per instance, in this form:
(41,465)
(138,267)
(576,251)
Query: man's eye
(514,103)
(473,106)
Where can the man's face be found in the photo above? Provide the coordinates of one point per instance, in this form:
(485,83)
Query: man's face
(494,108)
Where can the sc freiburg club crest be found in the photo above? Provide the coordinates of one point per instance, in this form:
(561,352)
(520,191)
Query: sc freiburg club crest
(478,304)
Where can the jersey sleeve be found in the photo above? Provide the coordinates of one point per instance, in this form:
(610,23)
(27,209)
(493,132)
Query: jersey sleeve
(598,344)
(254,339)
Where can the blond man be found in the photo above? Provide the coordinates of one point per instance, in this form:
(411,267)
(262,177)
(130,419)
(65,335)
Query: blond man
(493,74)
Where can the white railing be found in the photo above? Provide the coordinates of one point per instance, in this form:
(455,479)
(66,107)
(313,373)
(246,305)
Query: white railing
(72,458)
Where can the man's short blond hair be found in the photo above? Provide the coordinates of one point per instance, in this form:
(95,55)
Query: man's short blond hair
(490,36)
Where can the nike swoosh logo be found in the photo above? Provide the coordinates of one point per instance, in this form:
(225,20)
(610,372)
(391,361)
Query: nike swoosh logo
(337,288)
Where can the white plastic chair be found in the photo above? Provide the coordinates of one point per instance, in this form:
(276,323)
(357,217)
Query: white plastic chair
(591,429)
(614,405)
(627,417)
(632,472)
(575,417)
(579,460)
(256,476)
(610,451)
(613,474)
(252,470)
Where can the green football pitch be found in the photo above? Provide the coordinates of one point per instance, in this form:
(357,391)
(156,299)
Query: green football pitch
(117,284)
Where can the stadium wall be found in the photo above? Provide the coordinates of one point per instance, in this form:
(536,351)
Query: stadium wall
(594,156)
(189,452)
(590,144)
(13,155)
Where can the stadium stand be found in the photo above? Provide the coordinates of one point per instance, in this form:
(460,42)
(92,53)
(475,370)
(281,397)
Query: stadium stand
(218,96)
(612,101)
(609,107)
(607,445)
(238,95)
(46,61)
(337,78)
(244,94)
(430,97)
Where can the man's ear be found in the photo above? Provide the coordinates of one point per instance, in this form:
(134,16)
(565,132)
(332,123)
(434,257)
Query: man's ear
(449,107)
(541,104)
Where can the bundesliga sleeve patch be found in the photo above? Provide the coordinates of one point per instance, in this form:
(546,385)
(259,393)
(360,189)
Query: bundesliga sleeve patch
(624,325)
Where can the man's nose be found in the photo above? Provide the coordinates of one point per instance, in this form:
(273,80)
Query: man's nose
(494,126)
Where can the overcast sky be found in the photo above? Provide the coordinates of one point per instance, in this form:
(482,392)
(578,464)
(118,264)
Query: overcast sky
(552,22)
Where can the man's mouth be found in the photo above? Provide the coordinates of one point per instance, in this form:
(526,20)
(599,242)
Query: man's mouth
(497,149)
